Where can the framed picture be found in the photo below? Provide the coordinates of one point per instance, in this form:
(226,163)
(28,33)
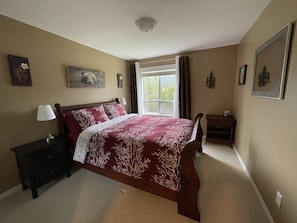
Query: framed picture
(242,75)
(271,65)
(82,77)
(19,70)
(120,80)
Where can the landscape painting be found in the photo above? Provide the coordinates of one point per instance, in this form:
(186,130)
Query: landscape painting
(82,77)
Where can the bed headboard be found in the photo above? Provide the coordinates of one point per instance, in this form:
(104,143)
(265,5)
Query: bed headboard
(61,110)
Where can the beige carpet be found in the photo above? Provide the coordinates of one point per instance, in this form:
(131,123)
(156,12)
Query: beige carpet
(226,196)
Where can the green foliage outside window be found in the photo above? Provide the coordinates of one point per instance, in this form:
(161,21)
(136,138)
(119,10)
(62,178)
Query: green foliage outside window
(158,92)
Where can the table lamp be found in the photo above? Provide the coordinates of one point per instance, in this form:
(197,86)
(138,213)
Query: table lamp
(124,101)
(46,113)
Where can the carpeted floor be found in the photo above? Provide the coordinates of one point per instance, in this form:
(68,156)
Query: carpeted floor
(226,196)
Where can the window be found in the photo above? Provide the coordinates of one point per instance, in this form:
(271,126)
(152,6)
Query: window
(158,85)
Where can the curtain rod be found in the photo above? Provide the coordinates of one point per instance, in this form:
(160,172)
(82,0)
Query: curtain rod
(157,61)
(164,60)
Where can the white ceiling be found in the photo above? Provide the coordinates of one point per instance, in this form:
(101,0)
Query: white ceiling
(109,25)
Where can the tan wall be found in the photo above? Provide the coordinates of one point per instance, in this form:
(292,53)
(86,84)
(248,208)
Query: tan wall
(222,61)
(265,134)
(48,57)
(266,128)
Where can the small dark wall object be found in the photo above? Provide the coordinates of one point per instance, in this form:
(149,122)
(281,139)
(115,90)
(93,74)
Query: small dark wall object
(242,75)
(19,70)
(264,77)
(210,80)
(120,80)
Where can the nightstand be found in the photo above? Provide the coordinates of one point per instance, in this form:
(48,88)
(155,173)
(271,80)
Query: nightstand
(40,162)
(220,129)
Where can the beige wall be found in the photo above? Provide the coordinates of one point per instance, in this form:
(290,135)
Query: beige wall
(265,134)
(266,128)
(222,61)
(48,57)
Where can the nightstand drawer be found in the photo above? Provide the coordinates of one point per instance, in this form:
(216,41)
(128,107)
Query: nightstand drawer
(46,156)
(220,123)
(46,173)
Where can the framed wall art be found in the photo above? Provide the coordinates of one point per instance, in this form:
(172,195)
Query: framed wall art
(19,71)
(242,75)
(82,77)
(120,80)
(270,66)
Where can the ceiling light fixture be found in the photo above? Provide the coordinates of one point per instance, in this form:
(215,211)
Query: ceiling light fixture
(146,24)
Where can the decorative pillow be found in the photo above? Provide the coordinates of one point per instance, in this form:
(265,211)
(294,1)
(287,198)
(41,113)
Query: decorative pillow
(87,117)
(71,123)
(99,114)
(114,110)
(72,136)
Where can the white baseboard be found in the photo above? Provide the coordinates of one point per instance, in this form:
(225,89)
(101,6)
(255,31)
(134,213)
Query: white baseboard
(10,192)
(254,187)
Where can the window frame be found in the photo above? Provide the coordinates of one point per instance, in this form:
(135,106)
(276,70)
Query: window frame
(163,70)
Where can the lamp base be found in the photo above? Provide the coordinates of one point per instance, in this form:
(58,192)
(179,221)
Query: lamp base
(49,137)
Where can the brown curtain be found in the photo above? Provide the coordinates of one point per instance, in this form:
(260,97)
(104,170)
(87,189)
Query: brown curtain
(184,88)
(133,87)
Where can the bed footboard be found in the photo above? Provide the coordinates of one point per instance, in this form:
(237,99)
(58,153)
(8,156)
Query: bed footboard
(197,132)
(187,197)
(190,183)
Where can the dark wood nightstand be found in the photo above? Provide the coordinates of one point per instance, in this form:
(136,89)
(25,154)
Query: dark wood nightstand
(40,162)
(220,129)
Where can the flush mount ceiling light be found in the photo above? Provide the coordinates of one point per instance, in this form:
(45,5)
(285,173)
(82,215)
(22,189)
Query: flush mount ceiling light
(146,24)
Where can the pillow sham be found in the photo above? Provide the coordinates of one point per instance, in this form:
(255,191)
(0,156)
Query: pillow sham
(71,123)
(87,117)
(114,110)
(99,114)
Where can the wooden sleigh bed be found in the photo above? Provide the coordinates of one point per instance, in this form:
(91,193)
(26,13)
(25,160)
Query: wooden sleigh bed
(184,192)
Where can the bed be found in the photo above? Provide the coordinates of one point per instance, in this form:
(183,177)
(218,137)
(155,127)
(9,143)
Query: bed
(152,153)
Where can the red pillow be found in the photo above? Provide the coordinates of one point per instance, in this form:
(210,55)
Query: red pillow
(99,114)
(114,110)
(87,117)
(73,138)
(71,123)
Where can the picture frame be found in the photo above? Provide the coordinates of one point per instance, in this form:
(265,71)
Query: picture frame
(242,74)
(83,77)
(270,65)
(120,80)
(19,70)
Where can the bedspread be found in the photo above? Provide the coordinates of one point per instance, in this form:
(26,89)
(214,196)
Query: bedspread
(142,147)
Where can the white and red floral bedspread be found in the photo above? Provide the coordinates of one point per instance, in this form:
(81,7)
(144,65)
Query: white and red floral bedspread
(142,147)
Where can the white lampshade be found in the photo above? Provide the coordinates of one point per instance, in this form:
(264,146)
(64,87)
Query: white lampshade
(45,113)
(124,101)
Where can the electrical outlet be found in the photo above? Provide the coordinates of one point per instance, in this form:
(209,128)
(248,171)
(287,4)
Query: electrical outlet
(278,199)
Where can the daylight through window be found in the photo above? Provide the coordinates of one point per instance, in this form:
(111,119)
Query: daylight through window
(158,90)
